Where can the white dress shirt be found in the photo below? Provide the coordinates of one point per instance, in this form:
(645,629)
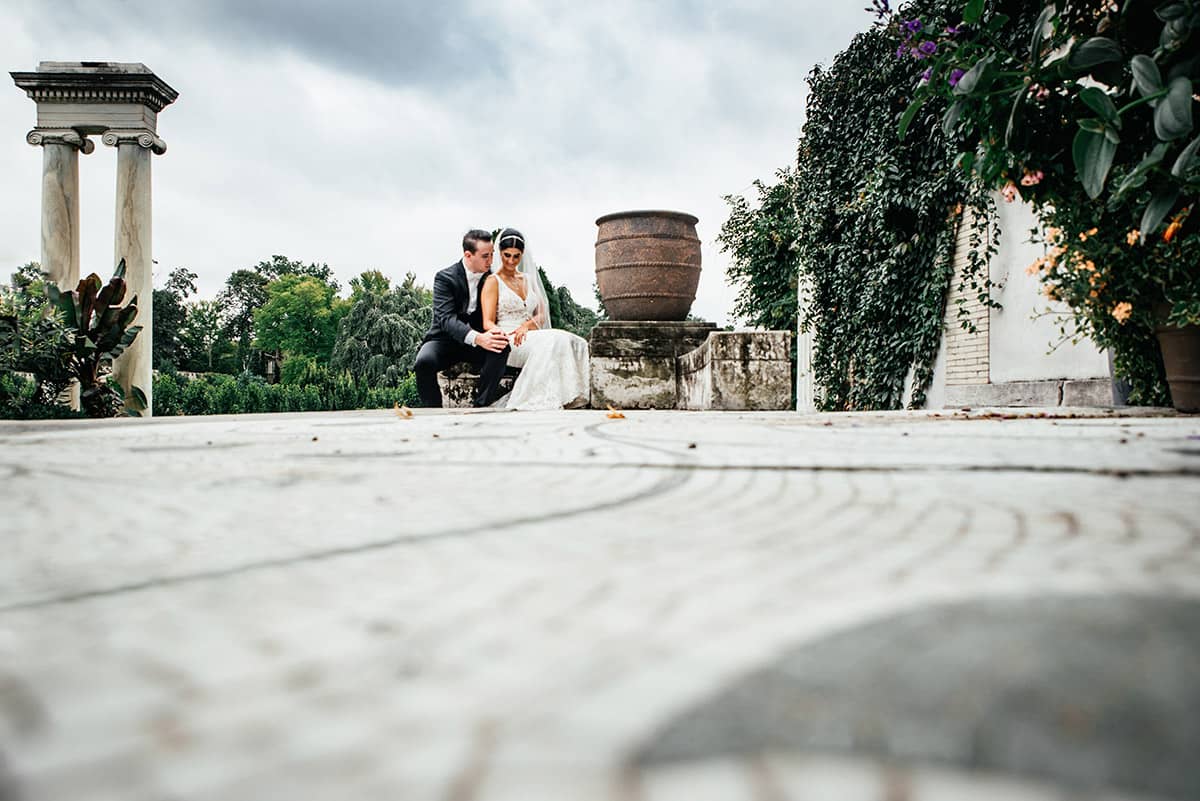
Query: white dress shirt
(473,280)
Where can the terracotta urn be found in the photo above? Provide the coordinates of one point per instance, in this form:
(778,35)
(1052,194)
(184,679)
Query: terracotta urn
(1180,347)
(647,264)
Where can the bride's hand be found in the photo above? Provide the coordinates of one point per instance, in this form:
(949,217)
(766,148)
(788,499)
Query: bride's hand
(518,336)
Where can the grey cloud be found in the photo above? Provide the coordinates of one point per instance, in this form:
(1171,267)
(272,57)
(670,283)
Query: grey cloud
(433,44)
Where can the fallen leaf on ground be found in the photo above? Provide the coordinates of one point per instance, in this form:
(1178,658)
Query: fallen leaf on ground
(403,412)
(614,413)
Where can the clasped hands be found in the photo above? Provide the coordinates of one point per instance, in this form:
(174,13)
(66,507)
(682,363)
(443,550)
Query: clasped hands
(496,340)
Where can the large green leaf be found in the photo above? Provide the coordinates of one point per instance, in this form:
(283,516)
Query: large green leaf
(1160,206)
(909,113)
(1187,159)
(1102,104)
(1039,28)
(1137,177)
(978,77)
(952,116)
(1094,52)
(1146,76)
(1173,117)
(973,11)
(1093,154)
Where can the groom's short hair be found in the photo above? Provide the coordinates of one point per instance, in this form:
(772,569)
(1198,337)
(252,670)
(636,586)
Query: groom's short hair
(474,238)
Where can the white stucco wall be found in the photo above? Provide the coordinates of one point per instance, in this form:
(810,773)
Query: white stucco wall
(1022,335)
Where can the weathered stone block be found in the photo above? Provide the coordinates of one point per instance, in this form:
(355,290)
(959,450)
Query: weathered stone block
(1090,392)
(744,370)
(1011,393)
(457,383)
(634,363)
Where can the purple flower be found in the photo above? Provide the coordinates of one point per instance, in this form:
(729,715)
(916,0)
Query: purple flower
(913,26)
(956,75)
(954,30)
(926,75)
(927,49)
(901,51)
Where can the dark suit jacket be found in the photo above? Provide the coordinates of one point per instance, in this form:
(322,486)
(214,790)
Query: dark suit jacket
(450,301)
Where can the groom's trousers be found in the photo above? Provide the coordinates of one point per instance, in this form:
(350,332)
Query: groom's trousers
(438,354)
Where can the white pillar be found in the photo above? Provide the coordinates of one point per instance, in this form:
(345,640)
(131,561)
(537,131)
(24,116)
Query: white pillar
(60,212)
(805,382)
(133,244)
(60,202)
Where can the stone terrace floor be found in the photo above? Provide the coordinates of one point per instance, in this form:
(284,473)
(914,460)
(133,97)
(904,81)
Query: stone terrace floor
(674,605)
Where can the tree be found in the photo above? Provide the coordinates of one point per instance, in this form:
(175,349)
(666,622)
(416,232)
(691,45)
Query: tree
(201,333)
(279,266)
(371,282)
(378,339)
(245,292)
(300,317)
(764,264)
(170,313)
(565,313)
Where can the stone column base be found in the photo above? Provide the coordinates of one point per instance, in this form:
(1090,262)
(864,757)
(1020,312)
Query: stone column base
(634,364)
(1039,394)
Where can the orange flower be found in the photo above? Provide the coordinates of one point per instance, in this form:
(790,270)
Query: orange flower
(1132,237)
(1084,236)
(1010,192)
(1036,267)
(1122,311)
(1050,291)
(1054,234)
(1172,229)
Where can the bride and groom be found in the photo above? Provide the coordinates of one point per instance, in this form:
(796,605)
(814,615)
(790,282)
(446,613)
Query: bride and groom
(499,317)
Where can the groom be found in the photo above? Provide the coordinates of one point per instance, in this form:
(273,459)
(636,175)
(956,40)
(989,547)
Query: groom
(456,334)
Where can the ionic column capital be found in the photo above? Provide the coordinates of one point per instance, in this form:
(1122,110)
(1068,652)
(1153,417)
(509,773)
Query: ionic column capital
(139,136)
(60,136)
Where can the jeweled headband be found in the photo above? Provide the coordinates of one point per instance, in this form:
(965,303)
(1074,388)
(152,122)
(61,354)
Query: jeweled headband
(520,239)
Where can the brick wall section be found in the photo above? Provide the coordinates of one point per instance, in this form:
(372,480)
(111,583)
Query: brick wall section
(966,351)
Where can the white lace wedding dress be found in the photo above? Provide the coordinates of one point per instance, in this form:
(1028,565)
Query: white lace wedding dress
(553,362)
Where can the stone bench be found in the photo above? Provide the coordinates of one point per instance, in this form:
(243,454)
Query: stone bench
(457,383)
(738,371)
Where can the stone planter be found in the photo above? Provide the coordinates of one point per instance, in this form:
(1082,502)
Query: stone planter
(647,264)
(1180,346)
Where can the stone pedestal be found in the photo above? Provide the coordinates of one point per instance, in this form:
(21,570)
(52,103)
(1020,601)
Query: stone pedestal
(634,364)
(738,371)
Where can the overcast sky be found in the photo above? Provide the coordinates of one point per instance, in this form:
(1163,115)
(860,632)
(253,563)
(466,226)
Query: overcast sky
(373,134)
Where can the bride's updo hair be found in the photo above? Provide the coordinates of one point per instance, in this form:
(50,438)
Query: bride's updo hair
(510,238)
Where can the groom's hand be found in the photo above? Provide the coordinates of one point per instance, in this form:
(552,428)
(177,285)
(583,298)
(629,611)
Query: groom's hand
(493,340)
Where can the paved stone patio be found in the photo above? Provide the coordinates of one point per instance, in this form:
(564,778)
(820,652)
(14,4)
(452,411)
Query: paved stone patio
(693,606)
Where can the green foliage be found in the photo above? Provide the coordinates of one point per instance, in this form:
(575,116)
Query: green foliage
(870,218)
(202,339)
(1087,111)
(170,313)
(379,337)
(216,393)
(565,313)
(761,242)
(57,338)
(245,292)
(300,317)
(371,282)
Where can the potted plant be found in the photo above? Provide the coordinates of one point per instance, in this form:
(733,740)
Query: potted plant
(1086,110)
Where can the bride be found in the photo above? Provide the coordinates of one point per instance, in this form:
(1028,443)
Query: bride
(553,362)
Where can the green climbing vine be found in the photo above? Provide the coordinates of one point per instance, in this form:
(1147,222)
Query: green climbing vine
(870,223)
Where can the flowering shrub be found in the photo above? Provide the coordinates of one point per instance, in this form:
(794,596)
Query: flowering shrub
(1089,117)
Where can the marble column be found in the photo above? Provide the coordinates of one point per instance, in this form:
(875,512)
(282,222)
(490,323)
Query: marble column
(60,202)
(133,244)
